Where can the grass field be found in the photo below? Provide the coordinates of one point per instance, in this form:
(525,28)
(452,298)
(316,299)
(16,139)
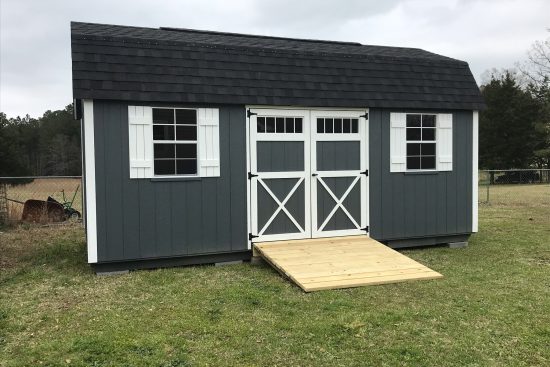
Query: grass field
(492,308)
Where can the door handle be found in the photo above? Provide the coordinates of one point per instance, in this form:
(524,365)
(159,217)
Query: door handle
(314,174)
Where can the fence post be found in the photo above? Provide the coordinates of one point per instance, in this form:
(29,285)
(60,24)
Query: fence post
(3,203)
(488,184)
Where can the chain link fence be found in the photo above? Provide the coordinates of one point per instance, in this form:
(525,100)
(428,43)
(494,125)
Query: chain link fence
(526,187)
(59,199)
(41,199)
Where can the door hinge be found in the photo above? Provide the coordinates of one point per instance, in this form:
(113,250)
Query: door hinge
(365,172)
(251,236)
(366,116)
(250,113)
(250,175)
(366,229)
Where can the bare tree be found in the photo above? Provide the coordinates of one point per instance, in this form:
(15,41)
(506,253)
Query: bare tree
(537,67)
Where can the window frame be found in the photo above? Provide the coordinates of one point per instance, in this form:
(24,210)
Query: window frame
(176,142)
(434,142)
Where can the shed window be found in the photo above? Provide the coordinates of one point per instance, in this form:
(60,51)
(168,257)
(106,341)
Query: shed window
(337,126)
(279,125)
(175,141)
(421,142)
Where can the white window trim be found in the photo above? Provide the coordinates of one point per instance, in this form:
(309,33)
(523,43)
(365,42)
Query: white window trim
(177,142)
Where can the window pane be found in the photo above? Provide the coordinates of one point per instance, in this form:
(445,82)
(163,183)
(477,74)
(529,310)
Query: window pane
(186,150)
(289,125)
(346,128)
(413,120)
(428,120)
(428,134)
(298,125)
(413,162)
(427,163)
(186,166)
(186,117)
(280,125)
(270,125)
(329,126)
(186,133)
(413,149)
(320,126)
(338,125)
(163,150)
(428,149)
(165,167)
(413,134)
(354,126)
(161,132)
(260,125)
(163,115)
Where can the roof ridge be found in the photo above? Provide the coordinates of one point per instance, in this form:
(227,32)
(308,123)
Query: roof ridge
(201,31)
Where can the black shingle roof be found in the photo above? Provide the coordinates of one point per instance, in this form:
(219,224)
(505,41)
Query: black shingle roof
(181,65)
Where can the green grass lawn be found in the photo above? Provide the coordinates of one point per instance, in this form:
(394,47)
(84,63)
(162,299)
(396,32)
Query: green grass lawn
(491,308)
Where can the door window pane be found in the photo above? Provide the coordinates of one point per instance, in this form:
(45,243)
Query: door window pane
(260,124)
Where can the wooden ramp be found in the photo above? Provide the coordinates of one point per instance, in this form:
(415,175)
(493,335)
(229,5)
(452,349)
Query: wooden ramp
(340,262)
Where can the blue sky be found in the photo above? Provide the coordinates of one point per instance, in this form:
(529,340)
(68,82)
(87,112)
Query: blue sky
(35,63)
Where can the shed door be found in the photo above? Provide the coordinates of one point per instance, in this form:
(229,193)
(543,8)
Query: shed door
(307,174)
(339,173)
(280,193)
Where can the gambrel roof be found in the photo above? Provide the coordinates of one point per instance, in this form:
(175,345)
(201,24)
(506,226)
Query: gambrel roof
(181,65)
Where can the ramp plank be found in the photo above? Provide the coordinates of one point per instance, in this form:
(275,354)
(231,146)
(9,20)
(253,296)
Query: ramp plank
(341,262)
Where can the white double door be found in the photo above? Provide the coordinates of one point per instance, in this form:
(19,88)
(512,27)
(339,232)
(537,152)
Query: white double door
(308,173)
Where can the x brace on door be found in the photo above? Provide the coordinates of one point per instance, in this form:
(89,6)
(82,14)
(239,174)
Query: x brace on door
(281,205)
(339,202)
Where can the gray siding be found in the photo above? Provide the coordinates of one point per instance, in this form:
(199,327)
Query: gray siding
(144,219)
(406,205)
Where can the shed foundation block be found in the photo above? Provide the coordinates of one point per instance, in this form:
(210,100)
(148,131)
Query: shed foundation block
(457,244)
(225,263)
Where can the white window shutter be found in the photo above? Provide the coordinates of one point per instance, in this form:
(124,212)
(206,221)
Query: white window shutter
(444,142)
(140,141)
(398,142)
(209,142)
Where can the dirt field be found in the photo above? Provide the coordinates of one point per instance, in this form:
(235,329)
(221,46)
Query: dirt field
(40,189)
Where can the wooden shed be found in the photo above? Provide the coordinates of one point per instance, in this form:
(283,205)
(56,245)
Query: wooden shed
(199,144)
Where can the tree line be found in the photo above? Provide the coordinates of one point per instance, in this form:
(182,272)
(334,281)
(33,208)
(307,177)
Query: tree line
(514,129)
(44,146)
